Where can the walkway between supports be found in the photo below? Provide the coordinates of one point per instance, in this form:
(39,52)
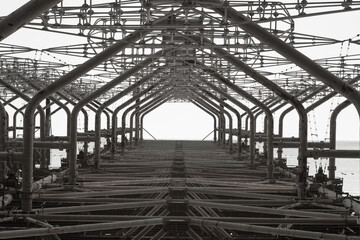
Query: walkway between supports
(178,190)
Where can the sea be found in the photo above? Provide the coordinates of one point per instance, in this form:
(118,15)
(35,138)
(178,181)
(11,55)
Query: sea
(348,169)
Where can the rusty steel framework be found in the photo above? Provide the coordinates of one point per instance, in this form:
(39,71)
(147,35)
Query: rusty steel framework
(234,60)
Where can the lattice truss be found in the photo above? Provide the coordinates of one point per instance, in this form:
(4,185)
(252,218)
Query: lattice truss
(101,23)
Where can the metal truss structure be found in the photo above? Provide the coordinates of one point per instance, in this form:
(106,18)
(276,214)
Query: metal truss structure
(234,60)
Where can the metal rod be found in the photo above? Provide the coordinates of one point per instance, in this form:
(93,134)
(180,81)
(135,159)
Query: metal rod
(222,110)
(112,100)
(105,193)
(237,114)
(160,94)
(302,161)
(245,108)
(334,153)
(24,15)
(333,117)
(73,136)
(49,90)
(271,230)
(290,53)
(145,112)
(150,104)
(270,123)
(214,118)
(101,207)
(78,228)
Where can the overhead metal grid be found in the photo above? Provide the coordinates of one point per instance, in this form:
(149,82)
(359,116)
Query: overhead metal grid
(227,58)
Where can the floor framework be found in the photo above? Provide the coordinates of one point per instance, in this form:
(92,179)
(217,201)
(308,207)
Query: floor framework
(237,61)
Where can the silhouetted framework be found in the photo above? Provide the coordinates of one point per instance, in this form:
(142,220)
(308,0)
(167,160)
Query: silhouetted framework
(233,60)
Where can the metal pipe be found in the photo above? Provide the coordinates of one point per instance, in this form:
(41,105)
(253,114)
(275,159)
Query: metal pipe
(236,114)
(159,235)
(8,102)
(42,144)
(284,144)
(334,115)
(213,110)
(73,133)
(302,160)
(248,220)
(222,102)
(222,110)
(108,122)
(210,113)
(239,194)
(262,210)
(254,110)
(49,90)
(78,228)
(193,234)
(24,15)
(3,128)
(290,53)
(85,137)
(334,153)
(100,207)
(15,119)
(63,106)
(245,108)
(270,130)
(146,111)
(111,101)
(148,108)
(105,193)
(147,98)
(41,224)
(86,117)
(310,107)
(3,138)
(41,112)
(270,230)
(114,117)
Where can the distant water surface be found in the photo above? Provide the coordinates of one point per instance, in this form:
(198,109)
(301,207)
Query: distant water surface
(346,168)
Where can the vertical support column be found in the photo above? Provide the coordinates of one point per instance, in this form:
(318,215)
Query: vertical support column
(334,115)
(28,138)
(15,119)
(211,114)
(136,92)
(147,110)
(220,130)
(248,111)
(123,118)
(108,125)
(3,136)
(47,131)
(97,138)
(114,133)
(86,129)
(137,128)
(221,100)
